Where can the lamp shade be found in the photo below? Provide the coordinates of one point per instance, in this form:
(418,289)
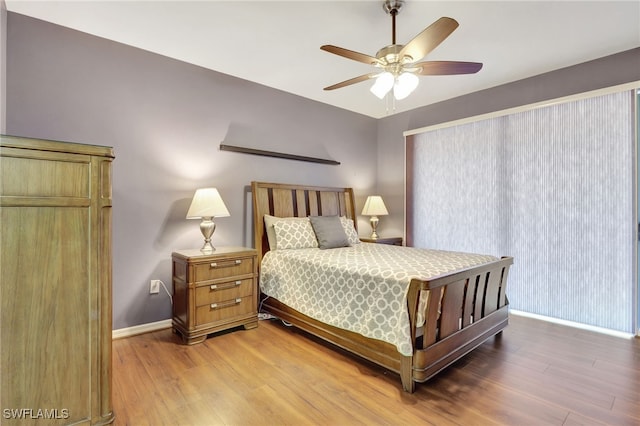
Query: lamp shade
(402,84)
(405,84)
(383,84)
(207,202)
(374,206)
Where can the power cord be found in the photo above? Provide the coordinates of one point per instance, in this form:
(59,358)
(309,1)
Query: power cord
(167,291)
(264,315)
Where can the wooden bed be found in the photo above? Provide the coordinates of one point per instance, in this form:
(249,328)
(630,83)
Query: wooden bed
(465,308)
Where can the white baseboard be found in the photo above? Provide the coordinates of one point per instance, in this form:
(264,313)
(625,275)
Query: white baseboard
(602,330)
(141,329)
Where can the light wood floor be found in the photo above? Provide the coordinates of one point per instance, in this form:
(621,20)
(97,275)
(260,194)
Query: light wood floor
(537,373)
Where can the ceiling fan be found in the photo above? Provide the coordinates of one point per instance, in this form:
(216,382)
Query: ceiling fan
(397,65)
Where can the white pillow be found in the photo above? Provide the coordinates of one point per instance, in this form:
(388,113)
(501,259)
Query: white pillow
(294,233)
(271,232)
(350,230)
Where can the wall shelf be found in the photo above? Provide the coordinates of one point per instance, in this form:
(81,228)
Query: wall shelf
(264,153)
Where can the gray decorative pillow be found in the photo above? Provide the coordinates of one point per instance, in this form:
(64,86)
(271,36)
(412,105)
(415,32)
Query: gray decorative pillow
(329,231)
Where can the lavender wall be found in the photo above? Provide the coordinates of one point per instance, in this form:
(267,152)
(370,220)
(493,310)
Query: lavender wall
(613,70)
(3,65)
(165,120)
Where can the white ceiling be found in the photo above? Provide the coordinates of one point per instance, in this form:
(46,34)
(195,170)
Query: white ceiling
(277,43)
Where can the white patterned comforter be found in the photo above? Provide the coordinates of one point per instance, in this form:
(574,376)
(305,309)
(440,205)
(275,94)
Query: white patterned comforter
(362,288)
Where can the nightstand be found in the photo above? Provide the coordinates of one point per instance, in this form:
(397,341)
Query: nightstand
(214,292)
(394,241)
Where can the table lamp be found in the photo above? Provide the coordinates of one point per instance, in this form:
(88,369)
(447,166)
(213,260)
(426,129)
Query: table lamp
(374,207)
(207,204)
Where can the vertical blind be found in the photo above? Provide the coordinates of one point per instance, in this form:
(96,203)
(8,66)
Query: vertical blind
(554,188)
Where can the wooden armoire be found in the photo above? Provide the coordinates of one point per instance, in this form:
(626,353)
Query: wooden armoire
(55,282)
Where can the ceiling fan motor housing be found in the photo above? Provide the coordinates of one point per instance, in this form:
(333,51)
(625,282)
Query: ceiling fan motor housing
(389,55)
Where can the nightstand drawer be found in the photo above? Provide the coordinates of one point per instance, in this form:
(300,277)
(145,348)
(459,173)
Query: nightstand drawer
(219,292)
(224,310)
(223,268)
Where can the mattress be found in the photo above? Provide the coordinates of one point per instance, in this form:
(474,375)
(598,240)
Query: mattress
(362,288)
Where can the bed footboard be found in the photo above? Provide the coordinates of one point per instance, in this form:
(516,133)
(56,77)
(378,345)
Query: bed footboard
(463,310)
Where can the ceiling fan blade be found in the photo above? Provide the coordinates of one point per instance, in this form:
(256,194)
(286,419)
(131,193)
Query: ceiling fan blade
(351,81)
(429,39)
(350,54)
(446,67)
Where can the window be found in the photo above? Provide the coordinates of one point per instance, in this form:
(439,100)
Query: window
(552,186)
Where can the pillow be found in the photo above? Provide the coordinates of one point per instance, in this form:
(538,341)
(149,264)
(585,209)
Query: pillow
(294,233)
(271,232)
(329,231)
(350,230)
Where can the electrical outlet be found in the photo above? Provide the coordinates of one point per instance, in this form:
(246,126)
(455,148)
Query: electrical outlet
(154,287)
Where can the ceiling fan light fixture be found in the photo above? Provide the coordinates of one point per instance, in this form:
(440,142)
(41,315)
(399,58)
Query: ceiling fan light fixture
(397,65)
(384,83)
(404,85)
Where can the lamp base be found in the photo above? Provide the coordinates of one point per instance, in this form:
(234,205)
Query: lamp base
(374,224)
(207,226)
(207,248)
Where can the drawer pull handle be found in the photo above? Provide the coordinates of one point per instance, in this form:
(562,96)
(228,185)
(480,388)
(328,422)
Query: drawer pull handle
(227,304)
(215,264)
(215,287)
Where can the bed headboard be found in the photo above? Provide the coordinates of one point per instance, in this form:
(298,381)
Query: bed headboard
(287,200)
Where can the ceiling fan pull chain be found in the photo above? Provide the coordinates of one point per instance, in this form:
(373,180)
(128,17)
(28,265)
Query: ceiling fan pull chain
(389,103)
